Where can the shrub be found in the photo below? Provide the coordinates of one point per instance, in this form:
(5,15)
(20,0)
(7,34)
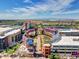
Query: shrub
(12,49)
(54,56)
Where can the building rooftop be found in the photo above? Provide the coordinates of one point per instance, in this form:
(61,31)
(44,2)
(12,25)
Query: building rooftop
(67,41)
(5,31)
(69,30)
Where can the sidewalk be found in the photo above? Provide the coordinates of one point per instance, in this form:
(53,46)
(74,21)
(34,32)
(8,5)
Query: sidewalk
(23,58)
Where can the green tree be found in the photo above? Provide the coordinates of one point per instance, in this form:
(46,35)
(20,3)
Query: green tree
(54,56)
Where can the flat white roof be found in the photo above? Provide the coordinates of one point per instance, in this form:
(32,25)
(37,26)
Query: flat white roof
(67,41)
(69,30)
(4,29)
(10,33)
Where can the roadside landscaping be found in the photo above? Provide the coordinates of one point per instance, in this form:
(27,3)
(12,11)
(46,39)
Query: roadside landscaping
(12,49)
(54,56)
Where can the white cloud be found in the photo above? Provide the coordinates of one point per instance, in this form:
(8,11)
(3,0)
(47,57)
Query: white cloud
(53,5)
(27,1)
(13,16)
(56,7)
(71,12)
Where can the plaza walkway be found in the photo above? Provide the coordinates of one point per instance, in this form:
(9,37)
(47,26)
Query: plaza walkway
(22,58)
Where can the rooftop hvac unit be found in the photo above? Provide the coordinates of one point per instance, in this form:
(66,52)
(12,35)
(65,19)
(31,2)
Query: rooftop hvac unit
(2,34)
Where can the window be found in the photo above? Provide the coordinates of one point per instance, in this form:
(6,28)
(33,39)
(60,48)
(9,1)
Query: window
(12,39)
(16,38)
(1,43)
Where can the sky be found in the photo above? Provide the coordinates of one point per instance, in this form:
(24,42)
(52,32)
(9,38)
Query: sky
(39,9)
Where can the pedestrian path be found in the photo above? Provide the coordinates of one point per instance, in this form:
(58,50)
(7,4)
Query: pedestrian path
(22,58)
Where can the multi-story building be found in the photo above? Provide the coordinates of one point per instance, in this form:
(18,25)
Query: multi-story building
(9,36)
(68,41)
